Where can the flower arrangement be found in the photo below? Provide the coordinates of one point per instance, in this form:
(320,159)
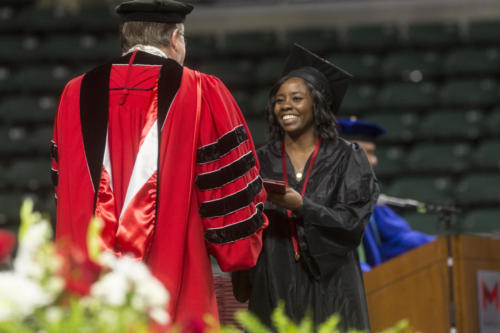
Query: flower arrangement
(55,288)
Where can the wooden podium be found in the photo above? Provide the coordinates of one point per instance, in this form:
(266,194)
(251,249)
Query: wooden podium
(420,287)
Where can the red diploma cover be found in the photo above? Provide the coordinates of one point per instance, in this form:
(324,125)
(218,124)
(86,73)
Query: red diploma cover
(274,186)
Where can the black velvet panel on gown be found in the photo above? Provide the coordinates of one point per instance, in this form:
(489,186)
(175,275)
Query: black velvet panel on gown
(341,195)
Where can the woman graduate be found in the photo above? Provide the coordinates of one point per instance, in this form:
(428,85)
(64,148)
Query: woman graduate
(309,257)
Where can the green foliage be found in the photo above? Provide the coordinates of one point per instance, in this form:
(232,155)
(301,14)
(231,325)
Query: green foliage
(330,325)
(93,237)
(28,217)
(250,322)
(402,326)
(283,324)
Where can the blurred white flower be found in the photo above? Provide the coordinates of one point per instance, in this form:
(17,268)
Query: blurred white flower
(20,296)
(54,314)
(111,289)
(55,285)
(153,292)
(134,270)
(26,264)
(159,315)
(138,303)
(107,259)
(36,236)
(130,276)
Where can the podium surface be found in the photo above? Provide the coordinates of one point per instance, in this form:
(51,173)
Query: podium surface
(418,285)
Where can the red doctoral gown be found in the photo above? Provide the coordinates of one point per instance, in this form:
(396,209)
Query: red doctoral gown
(163,156)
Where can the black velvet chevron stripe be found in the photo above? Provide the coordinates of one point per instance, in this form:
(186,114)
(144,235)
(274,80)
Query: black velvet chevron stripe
(224,145)
(226,174)
(168,85)
(237,231)
(53,151)
(231,203)
(94,99)
(55,176)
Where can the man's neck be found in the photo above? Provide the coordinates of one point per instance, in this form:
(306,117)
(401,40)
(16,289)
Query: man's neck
(149,49)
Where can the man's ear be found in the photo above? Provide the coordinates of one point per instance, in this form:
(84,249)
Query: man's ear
(175,39)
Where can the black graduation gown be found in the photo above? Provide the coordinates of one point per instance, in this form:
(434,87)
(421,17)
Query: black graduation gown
(340,197)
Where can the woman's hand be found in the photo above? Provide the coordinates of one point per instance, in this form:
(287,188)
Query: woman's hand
(290,200)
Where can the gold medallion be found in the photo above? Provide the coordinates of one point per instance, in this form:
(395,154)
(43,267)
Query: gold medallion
(297,256)
(298,176)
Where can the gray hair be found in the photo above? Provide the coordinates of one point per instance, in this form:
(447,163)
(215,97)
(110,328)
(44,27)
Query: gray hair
(147,33)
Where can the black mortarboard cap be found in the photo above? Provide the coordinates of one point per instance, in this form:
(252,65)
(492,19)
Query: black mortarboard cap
(328,78)
(354,129)
(163,11)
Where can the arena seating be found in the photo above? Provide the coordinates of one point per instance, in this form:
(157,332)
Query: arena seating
(434,87)
(315,39)
(434,189)
(433,34)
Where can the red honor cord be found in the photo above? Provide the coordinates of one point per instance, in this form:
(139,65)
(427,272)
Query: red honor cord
(293,230)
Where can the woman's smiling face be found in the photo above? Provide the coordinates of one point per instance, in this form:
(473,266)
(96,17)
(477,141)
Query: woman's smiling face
(293,107)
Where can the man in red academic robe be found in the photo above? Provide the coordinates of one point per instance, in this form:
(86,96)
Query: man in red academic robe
(162,154)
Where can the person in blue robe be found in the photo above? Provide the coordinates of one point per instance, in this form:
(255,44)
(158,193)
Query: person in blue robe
(387,235)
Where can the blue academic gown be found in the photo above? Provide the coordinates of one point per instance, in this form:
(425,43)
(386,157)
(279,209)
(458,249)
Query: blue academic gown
(387,236)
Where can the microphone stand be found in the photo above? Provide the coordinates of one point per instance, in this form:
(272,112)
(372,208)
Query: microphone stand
(445,216)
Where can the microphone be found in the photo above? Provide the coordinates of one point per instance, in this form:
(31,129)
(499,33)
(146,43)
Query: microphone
(420,206)
(399,202)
